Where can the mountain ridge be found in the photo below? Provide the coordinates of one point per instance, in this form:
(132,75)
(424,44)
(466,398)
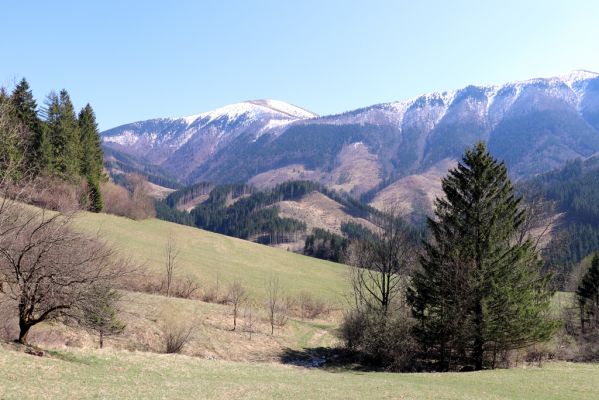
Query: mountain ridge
(535,125)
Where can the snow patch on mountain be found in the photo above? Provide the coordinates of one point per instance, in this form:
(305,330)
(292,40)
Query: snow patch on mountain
(126,138)
(251,110)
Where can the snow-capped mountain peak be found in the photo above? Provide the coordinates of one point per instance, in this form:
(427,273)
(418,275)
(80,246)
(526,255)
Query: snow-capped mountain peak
(547,120)
(253,109)
(576,76)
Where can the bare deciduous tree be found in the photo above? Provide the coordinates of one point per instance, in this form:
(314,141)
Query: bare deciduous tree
(380,265)
(540,219)
(237,295)
(171,255)
(46,268)
(274,300)
(249,320)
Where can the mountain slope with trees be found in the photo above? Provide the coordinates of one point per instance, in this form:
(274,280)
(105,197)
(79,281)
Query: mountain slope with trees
(535,125)
(246,212)
(575,191)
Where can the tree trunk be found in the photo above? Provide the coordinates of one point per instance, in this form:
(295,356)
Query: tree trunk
(478,349)
(23,332)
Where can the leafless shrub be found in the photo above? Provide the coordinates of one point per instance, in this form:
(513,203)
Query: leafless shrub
(382,339)
(249,319)
(171,256)
(186,288)
(277,308)
(46,268)
(210,295)
(177,331)
(282,312)
(311,307)
(236,296)
(133,202)
(213,294)
(57,194)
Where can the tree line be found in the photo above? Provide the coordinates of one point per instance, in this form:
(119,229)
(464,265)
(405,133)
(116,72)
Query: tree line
(575,191)
(472,293)
(54,141)
(242,211)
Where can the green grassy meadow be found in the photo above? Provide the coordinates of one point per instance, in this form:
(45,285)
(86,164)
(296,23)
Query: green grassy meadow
(206,255)
(87,374)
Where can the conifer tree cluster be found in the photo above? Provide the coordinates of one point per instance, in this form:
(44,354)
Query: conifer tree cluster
(480,292)
(62,143)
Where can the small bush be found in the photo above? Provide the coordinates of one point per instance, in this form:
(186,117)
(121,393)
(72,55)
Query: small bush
(186,288)
(134,203)
(213,295)
(55,194)
(310,307)
(177,331)
(383,340)
(282,312)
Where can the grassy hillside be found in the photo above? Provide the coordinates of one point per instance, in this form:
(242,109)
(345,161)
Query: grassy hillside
(86,374)
(205,254)
(212,337)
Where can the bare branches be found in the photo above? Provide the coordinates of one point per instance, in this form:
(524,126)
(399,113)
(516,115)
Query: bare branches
(275,304)
(171,255)
(381,265)
(237,295)
(46,268)
(539,221)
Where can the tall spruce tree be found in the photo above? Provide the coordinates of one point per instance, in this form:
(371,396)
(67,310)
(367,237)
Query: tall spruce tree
(588,296)
(480,292)
(91,149)
(63,136)
(25,109)
(91,162)
(11,155)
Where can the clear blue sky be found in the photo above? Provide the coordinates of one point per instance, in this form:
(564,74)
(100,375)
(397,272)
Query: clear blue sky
(134,60)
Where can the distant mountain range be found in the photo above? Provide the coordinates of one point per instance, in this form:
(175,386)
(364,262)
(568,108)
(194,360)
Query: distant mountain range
(391,153)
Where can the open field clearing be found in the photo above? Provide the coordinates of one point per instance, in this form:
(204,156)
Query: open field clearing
(86,374)
(206,256)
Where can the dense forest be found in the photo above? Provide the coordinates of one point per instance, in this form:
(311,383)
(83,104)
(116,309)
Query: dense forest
(242,211)
(575,191)
(52,142)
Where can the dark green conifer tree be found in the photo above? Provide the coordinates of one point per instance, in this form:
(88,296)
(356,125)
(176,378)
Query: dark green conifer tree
(25,109)
(63,136)
(480,292)
(11,155)
(91,162)
(588,296)
(91,149)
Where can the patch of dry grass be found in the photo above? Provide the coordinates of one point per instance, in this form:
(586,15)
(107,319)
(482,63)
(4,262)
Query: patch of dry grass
(212,335)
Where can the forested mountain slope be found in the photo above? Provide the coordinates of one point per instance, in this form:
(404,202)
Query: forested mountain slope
(381,150)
